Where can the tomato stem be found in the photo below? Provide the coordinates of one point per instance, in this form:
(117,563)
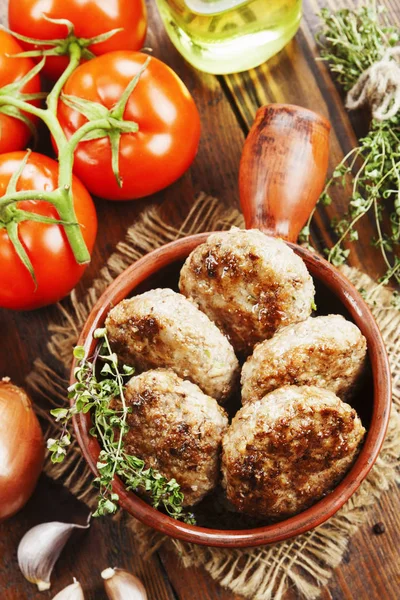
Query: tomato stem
(62,201)
(118,111)
(112,125)
(75,54)
(66,212)
(103,122)
(10,199)
(25,106)
(12,231)
(61,46)
(61,198)
(87,128)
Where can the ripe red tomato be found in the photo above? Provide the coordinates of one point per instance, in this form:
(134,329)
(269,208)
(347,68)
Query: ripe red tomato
(14,134)
(46,244)
(169,126)
(90,18)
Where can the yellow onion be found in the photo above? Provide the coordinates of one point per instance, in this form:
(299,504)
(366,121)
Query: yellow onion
(21,448)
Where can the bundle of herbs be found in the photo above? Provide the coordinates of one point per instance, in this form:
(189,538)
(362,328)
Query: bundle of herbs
(352,41)
(99,389)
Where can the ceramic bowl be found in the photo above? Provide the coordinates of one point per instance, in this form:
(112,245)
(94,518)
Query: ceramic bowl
(275,201)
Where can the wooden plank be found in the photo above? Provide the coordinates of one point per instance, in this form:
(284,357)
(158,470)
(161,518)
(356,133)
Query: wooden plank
(193,583)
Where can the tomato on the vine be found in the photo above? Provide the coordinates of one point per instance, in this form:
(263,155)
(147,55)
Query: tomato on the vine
(14,133)
(168,125)
(89,17)
(46,244)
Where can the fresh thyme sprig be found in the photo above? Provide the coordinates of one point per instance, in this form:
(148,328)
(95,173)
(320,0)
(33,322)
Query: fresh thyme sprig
(351,41)
(103,395)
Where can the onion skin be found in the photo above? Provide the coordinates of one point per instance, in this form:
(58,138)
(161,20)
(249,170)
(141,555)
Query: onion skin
(21,449)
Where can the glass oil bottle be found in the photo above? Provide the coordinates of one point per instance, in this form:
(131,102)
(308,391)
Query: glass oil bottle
(228,36)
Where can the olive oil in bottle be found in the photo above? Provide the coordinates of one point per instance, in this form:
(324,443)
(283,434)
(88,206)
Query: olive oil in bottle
(228,36)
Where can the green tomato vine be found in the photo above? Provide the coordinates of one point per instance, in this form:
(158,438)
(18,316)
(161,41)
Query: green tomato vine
(101,123)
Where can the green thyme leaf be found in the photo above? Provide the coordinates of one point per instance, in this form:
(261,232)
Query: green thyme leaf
(99,389)
(79,352)
(350,42)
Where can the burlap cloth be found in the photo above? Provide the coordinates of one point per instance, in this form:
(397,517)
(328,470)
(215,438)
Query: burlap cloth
(305,562)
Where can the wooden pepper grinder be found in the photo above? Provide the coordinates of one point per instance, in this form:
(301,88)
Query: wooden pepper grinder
(283,169)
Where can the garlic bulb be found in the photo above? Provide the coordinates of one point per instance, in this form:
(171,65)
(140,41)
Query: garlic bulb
(71,592)
(122,585)
(40,548)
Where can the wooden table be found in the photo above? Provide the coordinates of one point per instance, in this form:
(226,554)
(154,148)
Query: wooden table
(371,568)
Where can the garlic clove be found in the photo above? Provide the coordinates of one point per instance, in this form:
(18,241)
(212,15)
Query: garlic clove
(122,585)
(40,548)
(71,592)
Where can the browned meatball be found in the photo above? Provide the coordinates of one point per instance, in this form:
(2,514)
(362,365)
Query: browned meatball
(161,328)
(249,284)
(176,429)
(328,352)
(286,451)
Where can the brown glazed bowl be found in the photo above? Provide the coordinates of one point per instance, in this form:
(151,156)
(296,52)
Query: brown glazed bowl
(282,173)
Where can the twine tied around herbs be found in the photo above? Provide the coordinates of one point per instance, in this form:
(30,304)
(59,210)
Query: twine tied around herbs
(379,87)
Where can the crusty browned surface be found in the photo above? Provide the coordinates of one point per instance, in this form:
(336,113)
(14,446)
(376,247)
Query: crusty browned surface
(161,328)
(283,453)
(326,351)
(176,429)
(249,284)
